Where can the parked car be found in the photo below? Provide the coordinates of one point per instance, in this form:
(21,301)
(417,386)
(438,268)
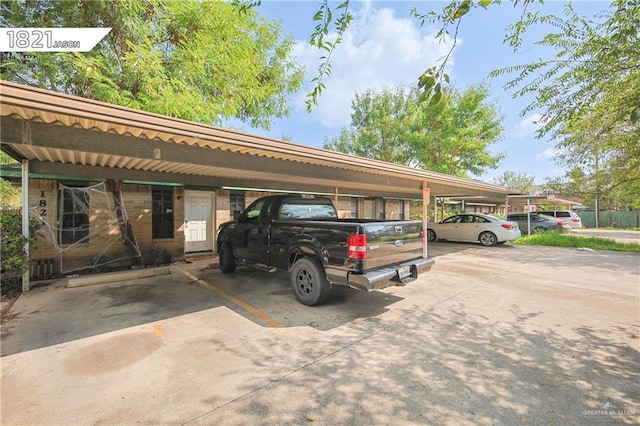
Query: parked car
(539,223)
(474,227)
(572,218)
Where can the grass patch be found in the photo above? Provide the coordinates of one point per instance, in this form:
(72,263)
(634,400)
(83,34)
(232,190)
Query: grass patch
(563,240)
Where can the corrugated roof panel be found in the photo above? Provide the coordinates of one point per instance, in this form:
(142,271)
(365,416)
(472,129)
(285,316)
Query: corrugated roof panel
(28,103)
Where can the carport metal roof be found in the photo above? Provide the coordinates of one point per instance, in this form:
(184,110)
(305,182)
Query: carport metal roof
(63,135)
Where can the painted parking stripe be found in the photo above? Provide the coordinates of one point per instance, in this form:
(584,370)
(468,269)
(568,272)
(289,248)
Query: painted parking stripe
(253,311)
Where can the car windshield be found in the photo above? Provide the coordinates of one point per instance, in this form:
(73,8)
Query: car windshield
(494,218)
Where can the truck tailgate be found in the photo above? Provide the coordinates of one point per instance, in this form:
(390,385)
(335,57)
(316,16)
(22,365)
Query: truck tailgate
(392,242)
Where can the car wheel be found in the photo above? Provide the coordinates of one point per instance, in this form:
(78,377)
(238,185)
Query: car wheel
(538,230)
(488,239)
(226,259)
(431,235)
(309,281)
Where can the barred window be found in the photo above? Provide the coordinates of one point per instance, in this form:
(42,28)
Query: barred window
(236,204)
(162,212)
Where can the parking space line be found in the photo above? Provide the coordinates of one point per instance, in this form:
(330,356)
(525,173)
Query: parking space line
(253,311)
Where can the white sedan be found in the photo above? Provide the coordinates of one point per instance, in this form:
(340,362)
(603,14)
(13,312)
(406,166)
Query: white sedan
(474,227)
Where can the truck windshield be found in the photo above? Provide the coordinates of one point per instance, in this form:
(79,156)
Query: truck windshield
(303,209)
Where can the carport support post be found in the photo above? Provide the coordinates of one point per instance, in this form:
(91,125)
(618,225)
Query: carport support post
(426,194)
(528,216)
(335,197)
(25,223)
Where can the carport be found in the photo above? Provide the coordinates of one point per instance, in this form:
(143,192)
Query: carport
(54,134)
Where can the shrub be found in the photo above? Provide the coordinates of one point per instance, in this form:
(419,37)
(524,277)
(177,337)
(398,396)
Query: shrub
(13,260)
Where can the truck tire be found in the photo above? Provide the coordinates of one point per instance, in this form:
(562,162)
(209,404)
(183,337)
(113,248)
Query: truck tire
(309,281)
(226,259)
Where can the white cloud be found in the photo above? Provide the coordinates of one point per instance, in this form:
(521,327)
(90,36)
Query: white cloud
(548,154)
(528,126)
(378,50)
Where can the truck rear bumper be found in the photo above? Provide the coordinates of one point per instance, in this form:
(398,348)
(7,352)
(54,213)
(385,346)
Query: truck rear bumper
(399,274)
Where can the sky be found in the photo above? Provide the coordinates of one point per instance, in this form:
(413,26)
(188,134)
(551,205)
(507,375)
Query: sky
(386,47)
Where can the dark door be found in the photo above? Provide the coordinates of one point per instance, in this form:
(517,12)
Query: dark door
(252,232)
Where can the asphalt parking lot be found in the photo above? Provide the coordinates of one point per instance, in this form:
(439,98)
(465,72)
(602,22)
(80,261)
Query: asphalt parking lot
(500,335)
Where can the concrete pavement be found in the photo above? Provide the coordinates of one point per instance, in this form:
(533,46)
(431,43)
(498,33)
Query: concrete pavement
(500,335)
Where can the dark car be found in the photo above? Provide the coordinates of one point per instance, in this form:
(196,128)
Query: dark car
(539,223)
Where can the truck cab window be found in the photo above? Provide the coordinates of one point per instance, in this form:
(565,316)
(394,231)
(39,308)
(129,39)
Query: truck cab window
(253,211)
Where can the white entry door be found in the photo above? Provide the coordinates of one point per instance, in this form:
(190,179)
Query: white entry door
(198,219)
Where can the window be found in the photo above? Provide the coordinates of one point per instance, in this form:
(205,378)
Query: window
(354,208)
(453,219)
(381,206)
(253,211)
(73,216)
(236,204)
(162,212)
(302,209)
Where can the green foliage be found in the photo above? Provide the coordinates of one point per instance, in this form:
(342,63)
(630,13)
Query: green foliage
(597,63)
(603,158)
(324,22)
(590,96)
(449,20)
(13,260)
(200,61)
(518,181)
(450,137)
(563,240)
(10,196)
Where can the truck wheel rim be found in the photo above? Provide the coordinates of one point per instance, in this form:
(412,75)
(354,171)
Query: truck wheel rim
(305,282)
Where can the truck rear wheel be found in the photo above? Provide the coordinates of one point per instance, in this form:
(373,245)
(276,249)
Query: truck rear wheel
(226,259)
(309,281)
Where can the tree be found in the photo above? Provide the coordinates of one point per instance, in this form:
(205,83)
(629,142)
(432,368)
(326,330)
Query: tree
(595,61)
(450,137)
(200,61)
(10,196)
(378,127)
(591,100)
(521,182)
(603,159)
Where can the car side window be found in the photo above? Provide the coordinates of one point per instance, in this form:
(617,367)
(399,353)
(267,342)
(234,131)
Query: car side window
(452,219)
(480,219)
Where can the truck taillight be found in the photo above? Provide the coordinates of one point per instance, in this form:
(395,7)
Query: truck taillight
(357,246)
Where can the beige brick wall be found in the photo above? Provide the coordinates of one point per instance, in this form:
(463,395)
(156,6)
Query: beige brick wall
(105,243)
(104,240)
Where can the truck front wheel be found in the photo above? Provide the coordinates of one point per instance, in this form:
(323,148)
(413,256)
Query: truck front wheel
(226,259)
(309,281)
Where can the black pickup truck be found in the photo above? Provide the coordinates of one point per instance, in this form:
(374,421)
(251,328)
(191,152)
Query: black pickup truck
(302,234)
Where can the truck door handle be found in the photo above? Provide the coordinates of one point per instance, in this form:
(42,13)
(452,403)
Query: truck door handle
(254,230)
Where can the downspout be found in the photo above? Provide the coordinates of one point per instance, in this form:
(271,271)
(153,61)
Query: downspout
(25,224)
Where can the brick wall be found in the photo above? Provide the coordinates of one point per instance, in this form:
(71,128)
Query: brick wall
(104,246)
